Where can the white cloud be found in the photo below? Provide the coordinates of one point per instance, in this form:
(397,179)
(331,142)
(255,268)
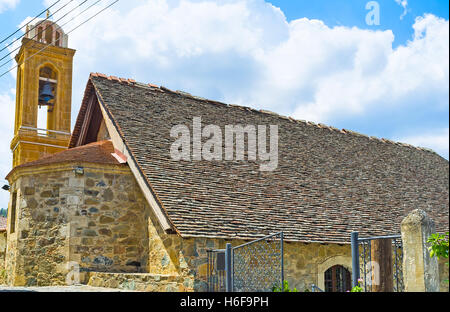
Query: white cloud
(245,52)
(404,4)
(436,140)
(373,74)
(8,4)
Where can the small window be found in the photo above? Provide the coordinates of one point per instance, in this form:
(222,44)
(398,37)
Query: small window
(12,227)
(337,279)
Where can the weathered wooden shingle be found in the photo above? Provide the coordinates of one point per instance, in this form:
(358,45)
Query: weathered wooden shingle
(327,184)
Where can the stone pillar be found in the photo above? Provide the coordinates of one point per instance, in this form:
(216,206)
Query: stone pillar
(382,268)
(420,271)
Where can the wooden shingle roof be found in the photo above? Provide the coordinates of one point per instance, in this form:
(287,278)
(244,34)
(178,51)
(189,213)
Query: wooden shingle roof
(328,182)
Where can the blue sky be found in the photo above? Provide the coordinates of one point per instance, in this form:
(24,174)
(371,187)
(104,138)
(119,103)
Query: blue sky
(352,13)
(314,60)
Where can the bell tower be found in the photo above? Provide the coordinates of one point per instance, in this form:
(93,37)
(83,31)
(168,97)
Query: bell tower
(43,93)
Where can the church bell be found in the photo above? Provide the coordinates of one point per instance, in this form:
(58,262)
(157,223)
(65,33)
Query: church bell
(46,94)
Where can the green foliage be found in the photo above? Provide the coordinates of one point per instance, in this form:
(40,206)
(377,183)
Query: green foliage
(439,245)
(358,287)
(283,288)
(2,276)
(3,212)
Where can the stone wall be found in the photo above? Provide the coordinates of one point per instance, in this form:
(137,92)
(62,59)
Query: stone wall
(139,281)
(2,257)
(421,272)
(11,248)
(2,249)
(108,231)
(304,264)
(93,219)
(443,275)
(100,220)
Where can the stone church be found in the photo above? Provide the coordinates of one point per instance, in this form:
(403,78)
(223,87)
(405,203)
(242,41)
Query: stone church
(108,199)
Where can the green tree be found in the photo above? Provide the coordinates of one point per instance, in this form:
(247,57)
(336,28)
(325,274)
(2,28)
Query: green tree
(439,246)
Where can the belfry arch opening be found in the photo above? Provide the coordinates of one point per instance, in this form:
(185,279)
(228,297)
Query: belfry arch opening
(57,38)
(47,96)
(49,34)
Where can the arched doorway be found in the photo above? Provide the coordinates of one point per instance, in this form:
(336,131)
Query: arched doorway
(337,279)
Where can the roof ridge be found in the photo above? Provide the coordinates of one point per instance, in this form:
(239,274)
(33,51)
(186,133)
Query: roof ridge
(132,82)
(91,144)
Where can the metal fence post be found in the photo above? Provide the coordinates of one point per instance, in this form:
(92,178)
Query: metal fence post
(228,268)
(355,258)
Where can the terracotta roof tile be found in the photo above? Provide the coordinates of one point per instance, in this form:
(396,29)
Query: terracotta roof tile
(327,184)
(3,222)
(97,152)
